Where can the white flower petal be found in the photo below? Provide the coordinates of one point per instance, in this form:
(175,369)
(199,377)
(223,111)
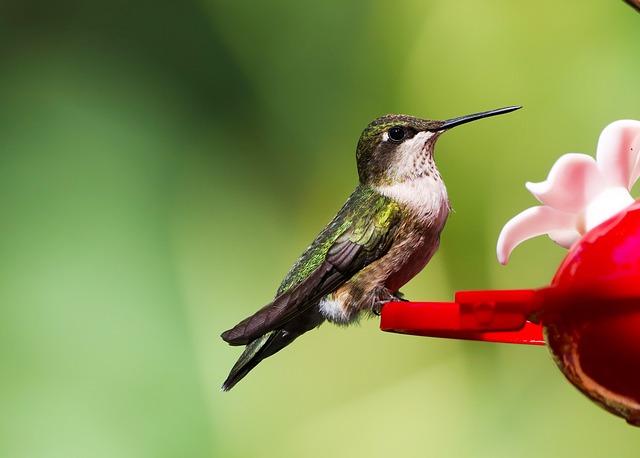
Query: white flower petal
(635,149)
(565,239)
(531,222)
(618,152)
(606,205)
(573,181)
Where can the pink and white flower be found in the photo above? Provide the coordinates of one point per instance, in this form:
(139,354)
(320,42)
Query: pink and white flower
(580,192)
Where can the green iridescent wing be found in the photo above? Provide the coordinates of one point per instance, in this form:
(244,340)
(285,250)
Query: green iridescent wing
(360,233)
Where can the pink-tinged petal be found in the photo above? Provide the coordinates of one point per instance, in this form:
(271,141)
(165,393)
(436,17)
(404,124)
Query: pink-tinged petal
(530,223)
(617,153)
(572,182)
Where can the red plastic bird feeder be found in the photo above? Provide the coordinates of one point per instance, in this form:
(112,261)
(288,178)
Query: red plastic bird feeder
(589,316)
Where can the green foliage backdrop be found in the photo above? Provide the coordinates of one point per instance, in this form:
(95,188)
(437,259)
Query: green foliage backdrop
(162,164)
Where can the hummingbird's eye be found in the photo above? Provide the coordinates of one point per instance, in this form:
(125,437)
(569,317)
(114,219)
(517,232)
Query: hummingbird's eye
(396,133)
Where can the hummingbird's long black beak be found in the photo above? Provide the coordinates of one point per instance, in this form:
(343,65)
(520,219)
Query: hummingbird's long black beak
(449,123)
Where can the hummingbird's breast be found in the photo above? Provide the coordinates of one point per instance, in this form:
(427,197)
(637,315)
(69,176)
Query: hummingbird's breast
(426,207)
(408,257)
(416,242)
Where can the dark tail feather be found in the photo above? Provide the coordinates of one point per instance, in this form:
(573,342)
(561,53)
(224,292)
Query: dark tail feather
(256,351)
(295,309)
(270,343)
(250,329)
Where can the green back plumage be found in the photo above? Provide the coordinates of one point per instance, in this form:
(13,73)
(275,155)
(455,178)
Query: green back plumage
(364,219)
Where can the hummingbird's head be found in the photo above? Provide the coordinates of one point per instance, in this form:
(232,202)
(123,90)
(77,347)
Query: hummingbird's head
(397,148)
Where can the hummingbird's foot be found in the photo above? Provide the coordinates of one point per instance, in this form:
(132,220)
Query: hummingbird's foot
(381,297)
(399,297)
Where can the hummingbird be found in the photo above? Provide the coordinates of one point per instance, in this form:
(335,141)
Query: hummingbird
(382,237)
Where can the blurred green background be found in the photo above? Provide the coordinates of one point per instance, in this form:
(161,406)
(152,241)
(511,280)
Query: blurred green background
(162,164)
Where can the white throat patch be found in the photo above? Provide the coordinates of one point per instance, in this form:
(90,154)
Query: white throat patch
(413,157)
(421,187)
(426,196)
